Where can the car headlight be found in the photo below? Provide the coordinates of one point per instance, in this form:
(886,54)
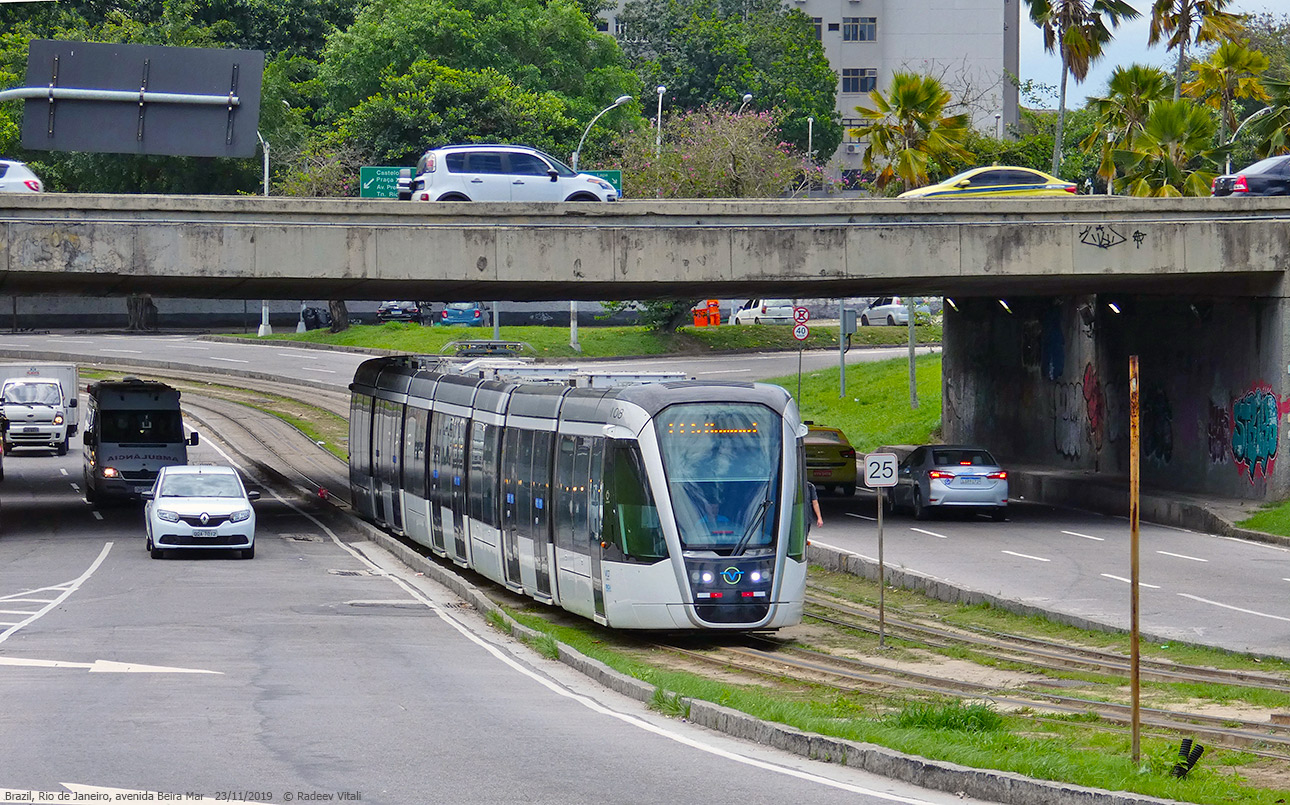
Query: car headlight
(239,516)
(168,516)
(110,472)
(58,419)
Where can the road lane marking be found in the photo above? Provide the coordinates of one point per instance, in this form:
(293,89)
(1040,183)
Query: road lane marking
(16,612)
(1085,536)
(74,486)
(312,369)
(851,553)
(104,666)
(70,587)
(230,360)
(98,515)
(1235,609)
(298,356)
(11,599)
(725,372)
(192,346)
(861,516)
(929,533)
(63,470)
(1026,556)
(1130,581)
(1257,544)
(1182,556)
(130,351)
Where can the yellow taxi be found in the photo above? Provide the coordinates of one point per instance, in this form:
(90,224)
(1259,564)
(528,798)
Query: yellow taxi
(830,459)
(996,180)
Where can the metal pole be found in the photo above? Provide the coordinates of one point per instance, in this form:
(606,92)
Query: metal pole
(573,326)
(497,325)
(658,136)
(265,327)
(913,380)
(1134,435)
(799,378)
(842,350)
(882,587)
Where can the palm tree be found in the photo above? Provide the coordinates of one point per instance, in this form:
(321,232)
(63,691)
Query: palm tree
(1076,29)
(1232,72)
(908,128)
(1272,130)
(1173,154)
(1190,21)
(1122,113)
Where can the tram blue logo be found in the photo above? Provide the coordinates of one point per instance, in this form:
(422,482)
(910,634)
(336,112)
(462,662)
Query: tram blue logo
(732,575)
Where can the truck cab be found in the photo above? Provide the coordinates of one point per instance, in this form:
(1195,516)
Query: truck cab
(36,411)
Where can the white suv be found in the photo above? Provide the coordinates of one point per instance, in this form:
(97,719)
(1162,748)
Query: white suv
(498,173)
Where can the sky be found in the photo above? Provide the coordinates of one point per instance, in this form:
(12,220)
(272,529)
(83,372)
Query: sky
(1129,46)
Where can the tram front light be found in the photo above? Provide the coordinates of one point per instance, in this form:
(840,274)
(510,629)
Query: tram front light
(706,577)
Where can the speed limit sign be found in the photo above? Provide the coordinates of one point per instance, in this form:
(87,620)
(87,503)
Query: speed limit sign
(801,331)
(880,470)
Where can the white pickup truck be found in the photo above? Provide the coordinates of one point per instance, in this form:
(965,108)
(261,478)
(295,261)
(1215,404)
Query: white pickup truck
(39,403)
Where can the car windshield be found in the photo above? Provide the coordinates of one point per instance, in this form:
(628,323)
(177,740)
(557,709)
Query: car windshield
(722,465)
(33,394)
(959,176)
(963,457)
(194,485)
(461,306)
(564,169)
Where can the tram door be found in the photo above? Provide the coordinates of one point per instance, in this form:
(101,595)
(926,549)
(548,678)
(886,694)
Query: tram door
(540,515)
(439,482)
(595,520)
(511,449)
(457,490)
(388,439)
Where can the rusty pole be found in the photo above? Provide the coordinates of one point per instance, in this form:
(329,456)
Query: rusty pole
(1134,657)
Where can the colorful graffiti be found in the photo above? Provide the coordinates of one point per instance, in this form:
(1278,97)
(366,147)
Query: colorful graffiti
(1068,419)
(1256,425)
(1095,406)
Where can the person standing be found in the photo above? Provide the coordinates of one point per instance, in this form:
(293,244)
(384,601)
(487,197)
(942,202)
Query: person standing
(814,498)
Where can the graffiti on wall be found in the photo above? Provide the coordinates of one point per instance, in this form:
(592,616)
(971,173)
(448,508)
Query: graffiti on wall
(1094,406)
(1256,418)
(1218,433)
(1082,416)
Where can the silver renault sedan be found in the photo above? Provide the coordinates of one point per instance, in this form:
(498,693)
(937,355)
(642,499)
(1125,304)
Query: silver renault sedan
(950,476)
(199,507)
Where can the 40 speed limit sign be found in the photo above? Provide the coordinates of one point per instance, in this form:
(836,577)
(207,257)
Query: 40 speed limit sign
(880,470)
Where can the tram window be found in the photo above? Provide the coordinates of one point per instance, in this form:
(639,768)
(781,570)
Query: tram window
(456,479)
(632,526)
(389,416)
(360,433)
(489,484)
(414,450)
(581,482)
(476,482)
(798,527)
(566,486)
(541,517)
(524,484)
(596,492)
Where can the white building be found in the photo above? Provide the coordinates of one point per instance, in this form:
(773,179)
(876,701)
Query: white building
(971,46)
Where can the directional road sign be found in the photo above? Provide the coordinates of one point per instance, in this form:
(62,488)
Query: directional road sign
(378,181)
(880,470)
(801,315)
(615,178)
(801,331)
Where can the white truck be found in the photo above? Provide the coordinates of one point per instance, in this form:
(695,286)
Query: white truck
(38,401)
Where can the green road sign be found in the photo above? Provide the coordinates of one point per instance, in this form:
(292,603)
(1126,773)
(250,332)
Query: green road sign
(378,182)
(615,178)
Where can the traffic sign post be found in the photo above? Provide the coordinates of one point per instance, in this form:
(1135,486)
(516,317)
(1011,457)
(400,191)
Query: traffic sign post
(800,332)
(880,473)
(801,315)
(380,181)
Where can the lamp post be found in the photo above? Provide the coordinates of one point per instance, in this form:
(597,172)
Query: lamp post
(658,136)
(1262,111)
(747,100)
(810,138)
(265,327)
(622,99)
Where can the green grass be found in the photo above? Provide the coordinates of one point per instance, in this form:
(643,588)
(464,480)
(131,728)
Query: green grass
(1272,519)
(606,342)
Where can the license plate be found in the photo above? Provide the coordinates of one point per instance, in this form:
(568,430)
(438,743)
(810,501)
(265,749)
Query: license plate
(970,480)
(821,473)
(31,430)
(205,532)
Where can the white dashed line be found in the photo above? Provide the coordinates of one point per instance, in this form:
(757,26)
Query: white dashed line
(929,533)
(1085,536)
(230,360)
(16,612)
(1130,581)
(1181,556)
(725,372)
(98,515)
(1026,556)
(312,369)
(63,470)
(128,351)
(298,356)
(1234,609)
(861,516)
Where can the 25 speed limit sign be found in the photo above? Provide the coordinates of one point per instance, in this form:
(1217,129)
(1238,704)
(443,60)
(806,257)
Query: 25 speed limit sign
(880,470)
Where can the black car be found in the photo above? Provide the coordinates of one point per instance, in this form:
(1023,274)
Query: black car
(399,311)
(1267,177)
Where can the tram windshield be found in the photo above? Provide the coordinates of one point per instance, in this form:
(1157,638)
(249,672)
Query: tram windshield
(722,462)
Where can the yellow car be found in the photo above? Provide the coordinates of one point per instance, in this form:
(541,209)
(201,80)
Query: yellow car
(997,180)
(830,459)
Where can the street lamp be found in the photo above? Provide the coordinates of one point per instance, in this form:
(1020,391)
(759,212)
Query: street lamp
(810,137)
(747,100)
(622,99)
(658,137)
(1262,111)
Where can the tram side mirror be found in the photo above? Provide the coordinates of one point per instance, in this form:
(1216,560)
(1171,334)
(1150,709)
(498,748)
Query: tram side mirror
(192,440)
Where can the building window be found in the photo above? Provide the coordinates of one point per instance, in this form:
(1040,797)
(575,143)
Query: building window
(602,25)
(833,26)
(818,22)
(859,79)
(859,29)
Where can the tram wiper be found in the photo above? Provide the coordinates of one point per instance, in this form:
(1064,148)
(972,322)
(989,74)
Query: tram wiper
(742,544)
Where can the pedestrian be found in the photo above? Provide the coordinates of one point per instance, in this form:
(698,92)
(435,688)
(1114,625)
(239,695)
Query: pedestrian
(814,497)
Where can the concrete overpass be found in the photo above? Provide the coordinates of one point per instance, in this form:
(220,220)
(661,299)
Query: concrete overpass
(1195,287)
(255,247)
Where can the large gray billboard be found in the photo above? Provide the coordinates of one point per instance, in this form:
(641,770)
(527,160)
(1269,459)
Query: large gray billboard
(202,102)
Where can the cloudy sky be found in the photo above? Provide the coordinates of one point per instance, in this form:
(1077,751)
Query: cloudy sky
(1130,46)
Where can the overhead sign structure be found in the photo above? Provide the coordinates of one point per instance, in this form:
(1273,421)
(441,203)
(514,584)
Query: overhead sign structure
(140,99)
(378,181)
(880,470)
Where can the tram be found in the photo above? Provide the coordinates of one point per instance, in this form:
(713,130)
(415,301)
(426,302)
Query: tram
(638,502)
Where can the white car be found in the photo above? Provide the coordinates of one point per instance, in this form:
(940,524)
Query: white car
(889,310)
(499,173)
(764,311)
(16,177)
(199,507)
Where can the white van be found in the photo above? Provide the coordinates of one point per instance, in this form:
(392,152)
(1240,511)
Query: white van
(38,401)
(133,428)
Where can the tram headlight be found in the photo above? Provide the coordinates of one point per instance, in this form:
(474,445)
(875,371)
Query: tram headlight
(755,575)
(706,577)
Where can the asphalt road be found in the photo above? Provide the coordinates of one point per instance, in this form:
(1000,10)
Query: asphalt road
(319,668)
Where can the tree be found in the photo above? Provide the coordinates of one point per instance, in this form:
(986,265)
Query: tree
(907,129)
(1272,129)
(1188,21)
(1076,30)
(1123,112)
(1174,154)
(711,153)
(713,52)
(1270,35)
(1231,72)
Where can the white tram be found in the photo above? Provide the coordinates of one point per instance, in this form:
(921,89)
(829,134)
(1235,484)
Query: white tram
(672,504)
